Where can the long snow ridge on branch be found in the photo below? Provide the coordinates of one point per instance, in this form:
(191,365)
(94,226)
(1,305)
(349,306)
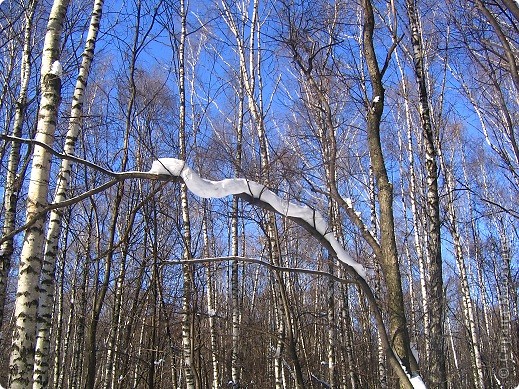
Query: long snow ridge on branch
(218,189)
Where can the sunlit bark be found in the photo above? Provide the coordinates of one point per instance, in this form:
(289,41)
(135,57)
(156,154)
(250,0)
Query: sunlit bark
(22,355)
(389,256)
(41,373)
(13,180)
(436,361)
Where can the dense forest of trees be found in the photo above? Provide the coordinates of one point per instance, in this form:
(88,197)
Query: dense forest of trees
(393,124)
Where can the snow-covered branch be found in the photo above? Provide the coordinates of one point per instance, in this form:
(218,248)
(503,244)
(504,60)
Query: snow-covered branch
(217,189)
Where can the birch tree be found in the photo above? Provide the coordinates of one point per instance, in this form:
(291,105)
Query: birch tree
(188,298)
(436,361)
(22,355)
(467,300)
(42,363)
(13,179)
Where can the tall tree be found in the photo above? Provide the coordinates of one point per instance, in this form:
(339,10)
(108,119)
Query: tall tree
(389,256)
(47,287)
(436,361)
(13,179)
(27,294)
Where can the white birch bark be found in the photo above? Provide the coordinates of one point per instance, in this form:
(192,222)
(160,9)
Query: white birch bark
(140,347)
(187,297)
(59,367)
(21,362)
(436,362)
(251,78)
(417,224)
(467,303)
(235,295)
(348,341)
(41,367)
(59,321)
(453,347)
(211,307)
(110,371)
(12,179)
(507,366)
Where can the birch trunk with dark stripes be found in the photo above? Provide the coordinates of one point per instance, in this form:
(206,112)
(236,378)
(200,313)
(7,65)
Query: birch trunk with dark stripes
(21,363)
(42,362)
(13,179)
(436,309)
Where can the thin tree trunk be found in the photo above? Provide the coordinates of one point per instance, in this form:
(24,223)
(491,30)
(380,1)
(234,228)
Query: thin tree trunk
(508,54)
(188,300)
(60,312)
(417,220)
(211,308)
(236,309)
(436,360)
(140,348)
(468,307)
(453,347)
(250,75)
(348,340)
(13,181)
(21,362)
(90,343)
(112,347)
(507,365)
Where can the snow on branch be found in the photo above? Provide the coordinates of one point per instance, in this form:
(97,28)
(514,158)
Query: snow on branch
(218,189)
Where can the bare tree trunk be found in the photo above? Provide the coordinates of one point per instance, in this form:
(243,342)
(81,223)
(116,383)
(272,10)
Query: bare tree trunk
(250,75)
(155,317)
(348,336)
(188,300)
(414,195)
(235,296)
(41,367)
(508,54)
(453,347)
(331,332)
(60,312)
(389,255)
(13,181)
(436,361)
(90,343)
(507,365)
(381,355)
(113,344)
(140,348)
(211,308)
(468,306)
(75,327)
(21,362)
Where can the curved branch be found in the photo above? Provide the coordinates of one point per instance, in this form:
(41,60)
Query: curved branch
(514,73)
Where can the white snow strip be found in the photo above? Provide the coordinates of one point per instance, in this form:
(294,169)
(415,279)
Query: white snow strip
(217,189)
(418,383)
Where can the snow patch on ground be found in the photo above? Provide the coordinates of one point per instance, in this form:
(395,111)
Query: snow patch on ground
(218,189)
